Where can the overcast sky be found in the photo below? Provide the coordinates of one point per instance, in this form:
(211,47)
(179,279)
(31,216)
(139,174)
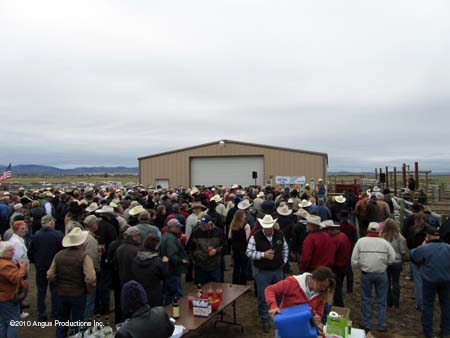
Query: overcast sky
(87,83)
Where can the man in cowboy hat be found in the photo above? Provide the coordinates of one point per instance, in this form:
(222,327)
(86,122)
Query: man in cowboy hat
(286,221)
(298,235)
(337,207)
(342,258)
(318,247)
(269,251)
(73,273)
(48,204)
(107,233)
(372,255)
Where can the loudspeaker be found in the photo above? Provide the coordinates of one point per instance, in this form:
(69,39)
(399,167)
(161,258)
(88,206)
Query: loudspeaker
(382,178)
(254,174)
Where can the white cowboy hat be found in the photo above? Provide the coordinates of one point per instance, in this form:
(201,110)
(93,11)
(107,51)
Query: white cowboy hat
(302,213)
(305,204)
(328,224)
(290,200)
(376,189)
(314,220)
(234,186)
(216,198)
(267,221)
(49,194)
(106,209)
(260,194)
(136,210)
(75,237)
(194,191)
(245,204)
(340,199)
(284,210)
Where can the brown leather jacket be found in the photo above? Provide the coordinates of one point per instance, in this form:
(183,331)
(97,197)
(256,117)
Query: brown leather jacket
(10,276)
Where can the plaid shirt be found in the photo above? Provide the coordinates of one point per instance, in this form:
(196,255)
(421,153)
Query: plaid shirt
(256,255)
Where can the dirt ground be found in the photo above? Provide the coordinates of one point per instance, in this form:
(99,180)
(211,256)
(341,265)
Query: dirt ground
(404,322)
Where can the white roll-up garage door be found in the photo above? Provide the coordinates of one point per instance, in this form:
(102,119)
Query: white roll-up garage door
(227,171)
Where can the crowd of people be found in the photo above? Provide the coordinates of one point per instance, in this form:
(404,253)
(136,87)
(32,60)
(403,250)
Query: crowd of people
(142,242)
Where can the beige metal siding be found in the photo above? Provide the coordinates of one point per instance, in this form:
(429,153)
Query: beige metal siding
(175,166)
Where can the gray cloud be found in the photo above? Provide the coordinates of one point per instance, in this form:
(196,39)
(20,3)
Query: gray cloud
(101,83)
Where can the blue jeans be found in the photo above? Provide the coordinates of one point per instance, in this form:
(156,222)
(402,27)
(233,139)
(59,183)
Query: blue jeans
(70,308)
(417,284)
(203,277)
(41,284)
(368,280)
(263,279)
(173,288)
(429,291)
(90,305)
(393,295)
(105,277)
(9,311)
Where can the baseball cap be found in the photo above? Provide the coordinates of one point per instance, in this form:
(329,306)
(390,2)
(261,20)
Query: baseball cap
(174,222)
(47,219)
(204,220)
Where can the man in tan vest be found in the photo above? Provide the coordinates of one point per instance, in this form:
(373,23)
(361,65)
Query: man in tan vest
(73,273)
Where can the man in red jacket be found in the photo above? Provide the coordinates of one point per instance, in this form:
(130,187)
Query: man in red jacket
(318,246)
(314,289)
(342,258)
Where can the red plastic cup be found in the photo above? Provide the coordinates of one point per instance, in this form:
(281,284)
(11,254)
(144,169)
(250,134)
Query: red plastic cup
(210,292)
(190,299)
(219,293)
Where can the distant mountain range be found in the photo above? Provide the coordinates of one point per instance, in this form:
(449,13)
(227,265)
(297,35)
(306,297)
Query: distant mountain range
(42,170)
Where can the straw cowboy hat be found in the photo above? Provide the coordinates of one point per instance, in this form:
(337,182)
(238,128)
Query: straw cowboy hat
(245,204)
(92,207)
(260,194)
(302,213)
(340,199)
(216,198)
(329,224)
(313,220)
(106,209)
(136,210)
(197,205)
(75,237)
(267,221)
(305,204)
(284,210)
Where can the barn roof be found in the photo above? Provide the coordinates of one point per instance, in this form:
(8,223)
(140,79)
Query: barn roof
(235,142)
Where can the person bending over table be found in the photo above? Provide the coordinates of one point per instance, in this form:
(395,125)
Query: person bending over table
(315,289)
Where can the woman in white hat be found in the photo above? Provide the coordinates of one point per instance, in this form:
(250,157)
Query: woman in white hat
(73,273)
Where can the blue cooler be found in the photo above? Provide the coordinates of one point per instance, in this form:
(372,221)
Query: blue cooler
(295,322)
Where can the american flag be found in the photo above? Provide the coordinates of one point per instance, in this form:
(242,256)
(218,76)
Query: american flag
(6,174)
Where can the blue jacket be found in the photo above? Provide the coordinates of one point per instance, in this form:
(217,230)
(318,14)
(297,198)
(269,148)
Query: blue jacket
(44,246)
(4,212)
(433,260)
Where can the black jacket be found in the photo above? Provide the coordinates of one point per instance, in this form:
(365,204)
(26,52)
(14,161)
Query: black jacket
(198,244)
(106,235)
(123,258)
(149,270)
(44,246)
(37,213)
(147,322)
(286,226)
(298,236)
